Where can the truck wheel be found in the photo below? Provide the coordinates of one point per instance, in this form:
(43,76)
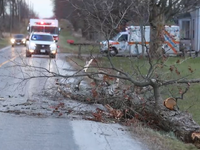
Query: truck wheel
(113,52)
(28,54)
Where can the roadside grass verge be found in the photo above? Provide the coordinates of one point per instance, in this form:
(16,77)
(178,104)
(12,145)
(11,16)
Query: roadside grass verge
(69,48)
(157,140)
(188,68)
(4,42)
(190,103)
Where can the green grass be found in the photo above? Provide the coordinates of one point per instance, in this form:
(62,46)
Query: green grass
(131,65)
(156,140)
(4,42)
(68,48)
(191,100)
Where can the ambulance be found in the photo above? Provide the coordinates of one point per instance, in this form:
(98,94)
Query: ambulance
(44,25)
(130,41)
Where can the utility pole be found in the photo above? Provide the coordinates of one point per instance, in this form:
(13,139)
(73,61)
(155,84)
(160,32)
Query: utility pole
(19,10)
(11,18)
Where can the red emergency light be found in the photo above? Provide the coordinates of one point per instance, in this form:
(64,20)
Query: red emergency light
(55,38)
(43,23)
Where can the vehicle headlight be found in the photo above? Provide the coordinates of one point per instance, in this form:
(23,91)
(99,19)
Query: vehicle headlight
(32,45)
(12,40)
(23,40)
(53,46)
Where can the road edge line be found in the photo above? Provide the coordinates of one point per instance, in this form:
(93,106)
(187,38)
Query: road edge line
(4,48)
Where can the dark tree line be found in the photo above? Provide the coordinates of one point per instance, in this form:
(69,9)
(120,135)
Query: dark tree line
(106,17)
(14,14)
(92,16)
(110,16)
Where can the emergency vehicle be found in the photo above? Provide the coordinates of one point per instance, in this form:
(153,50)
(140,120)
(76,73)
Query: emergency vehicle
(44,25)
(129,42)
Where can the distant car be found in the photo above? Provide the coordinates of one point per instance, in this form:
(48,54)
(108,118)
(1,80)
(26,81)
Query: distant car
(18,39)
(41,43)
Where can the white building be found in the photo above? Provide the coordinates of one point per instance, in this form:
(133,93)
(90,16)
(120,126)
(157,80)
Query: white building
(190,29)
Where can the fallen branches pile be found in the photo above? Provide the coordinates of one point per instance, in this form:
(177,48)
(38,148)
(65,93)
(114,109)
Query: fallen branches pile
(130,103)
(113,115)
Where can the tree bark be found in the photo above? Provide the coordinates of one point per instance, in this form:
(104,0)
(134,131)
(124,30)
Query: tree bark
(180,123)
(142,38)
(158,97)
(157,23)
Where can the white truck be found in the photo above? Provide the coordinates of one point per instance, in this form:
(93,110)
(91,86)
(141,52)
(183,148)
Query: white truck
(130,41)
(44,25)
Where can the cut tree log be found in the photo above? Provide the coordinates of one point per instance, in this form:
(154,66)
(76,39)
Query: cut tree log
(181,123)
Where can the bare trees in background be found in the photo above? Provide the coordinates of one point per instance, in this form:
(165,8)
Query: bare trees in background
(13,14)
(110,16)
(89,15)
(160,12)
(2,15)
(93,16)
(107,17)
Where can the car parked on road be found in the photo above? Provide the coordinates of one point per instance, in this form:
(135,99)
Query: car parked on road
(18,39)
(41,43)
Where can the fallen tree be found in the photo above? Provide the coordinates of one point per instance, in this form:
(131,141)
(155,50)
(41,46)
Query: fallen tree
(143,99)
(127,104)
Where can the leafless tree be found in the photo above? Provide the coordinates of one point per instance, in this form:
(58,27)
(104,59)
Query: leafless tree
(2,15)
(162,11)
(15,15)
(105,17)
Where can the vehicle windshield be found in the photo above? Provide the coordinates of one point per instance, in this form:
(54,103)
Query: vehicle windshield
(51,30)
(19,36)
(115,38)
(37,37)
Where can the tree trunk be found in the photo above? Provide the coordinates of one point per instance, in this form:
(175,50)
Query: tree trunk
(142,38)
(157,23)
(157,96)
(181,123)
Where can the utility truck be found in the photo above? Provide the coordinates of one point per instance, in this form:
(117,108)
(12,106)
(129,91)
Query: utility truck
(130,41)
(44,25)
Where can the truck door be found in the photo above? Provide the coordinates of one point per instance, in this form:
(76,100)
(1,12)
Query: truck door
(123,43)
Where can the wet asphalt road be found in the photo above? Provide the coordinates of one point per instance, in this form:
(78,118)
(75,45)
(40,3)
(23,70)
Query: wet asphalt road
(30,121)
(26,132)
(15,68)
(30,133)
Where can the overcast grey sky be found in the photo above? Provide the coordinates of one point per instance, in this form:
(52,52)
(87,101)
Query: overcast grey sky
(44,8)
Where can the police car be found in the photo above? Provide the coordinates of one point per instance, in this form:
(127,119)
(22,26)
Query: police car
(39,43)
